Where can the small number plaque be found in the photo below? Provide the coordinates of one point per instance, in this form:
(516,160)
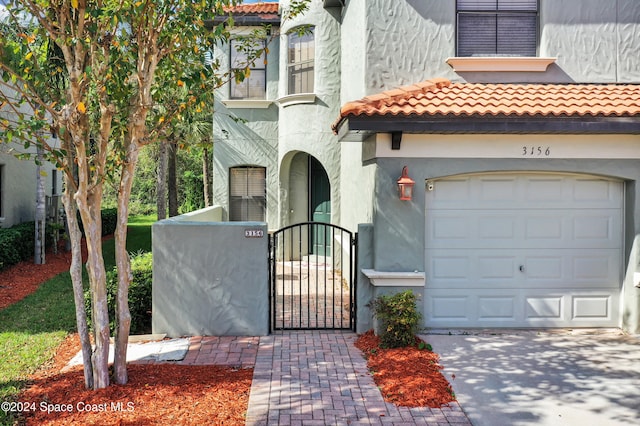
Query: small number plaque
(253,233)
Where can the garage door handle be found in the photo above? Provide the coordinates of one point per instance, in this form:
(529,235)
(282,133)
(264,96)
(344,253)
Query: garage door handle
(521,268)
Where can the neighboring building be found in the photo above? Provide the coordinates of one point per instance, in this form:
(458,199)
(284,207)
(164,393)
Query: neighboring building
(519,121)
(18,177)
(18,188)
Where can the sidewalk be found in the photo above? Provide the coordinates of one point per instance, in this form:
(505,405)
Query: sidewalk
(311,378)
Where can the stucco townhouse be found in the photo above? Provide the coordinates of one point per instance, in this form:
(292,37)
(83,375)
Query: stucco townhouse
(18,179)
(516,121)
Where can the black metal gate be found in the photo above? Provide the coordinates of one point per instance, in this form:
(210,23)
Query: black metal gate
(312,288)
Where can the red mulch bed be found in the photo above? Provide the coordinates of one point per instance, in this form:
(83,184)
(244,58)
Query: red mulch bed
(157,394)
(409,376)
(19,281)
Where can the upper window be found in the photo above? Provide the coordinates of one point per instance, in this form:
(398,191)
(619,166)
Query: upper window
(497,27)
(247,193)
(253,84)
(300,62)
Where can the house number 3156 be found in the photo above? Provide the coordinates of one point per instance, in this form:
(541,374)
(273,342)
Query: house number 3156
(536,151)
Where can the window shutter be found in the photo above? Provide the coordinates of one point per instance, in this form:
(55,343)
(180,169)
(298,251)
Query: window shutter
(247,194)
(497,27)
(517,35)
(255,182)
(476,35)
(477,5)
(238,182)
(523,5)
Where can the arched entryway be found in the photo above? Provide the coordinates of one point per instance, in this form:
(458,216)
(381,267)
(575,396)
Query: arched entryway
(310,198)
(319,206)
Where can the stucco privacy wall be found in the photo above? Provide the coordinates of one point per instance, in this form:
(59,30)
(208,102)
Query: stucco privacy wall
(400,226)
(209,278)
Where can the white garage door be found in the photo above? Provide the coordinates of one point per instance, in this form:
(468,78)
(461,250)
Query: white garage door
(523,250)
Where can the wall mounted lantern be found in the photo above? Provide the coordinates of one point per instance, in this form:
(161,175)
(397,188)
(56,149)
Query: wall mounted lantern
(405,185)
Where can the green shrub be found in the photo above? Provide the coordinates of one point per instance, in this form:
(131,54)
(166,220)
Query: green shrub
(139,294)
(399,318)
(109,221)
(17,243)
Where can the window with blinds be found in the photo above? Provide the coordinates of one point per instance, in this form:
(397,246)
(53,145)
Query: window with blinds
(247,194)
(253,83)
(300,62)
(497,27)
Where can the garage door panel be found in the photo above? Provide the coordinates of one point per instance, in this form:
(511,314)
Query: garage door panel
(492,267)
(497,308)
(544,190)
(453,269)
(520,308)
(598,228)
(528,191)
(571,268)
(596,193)
(450,307)
(597,269)
(523,268)
(528,250)
(592,307)
(544,307)
(543,229)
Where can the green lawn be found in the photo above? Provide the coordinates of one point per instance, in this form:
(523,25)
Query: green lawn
(32,329)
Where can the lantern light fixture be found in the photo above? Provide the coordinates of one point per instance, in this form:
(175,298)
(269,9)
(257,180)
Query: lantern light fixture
(405,185)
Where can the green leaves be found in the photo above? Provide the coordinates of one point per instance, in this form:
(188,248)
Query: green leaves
(399,318)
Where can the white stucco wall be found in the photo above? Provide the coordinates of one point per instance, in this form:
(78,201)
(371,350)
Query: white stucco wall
(595,41)
(307,127)
(246,136)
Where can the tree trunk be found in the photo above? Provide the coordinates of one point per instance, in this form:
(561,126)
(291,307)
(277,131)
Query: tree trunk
(75,270)
(39,246)
(161,181)
(173,180)
(89,208)
(123,315)
(206,173)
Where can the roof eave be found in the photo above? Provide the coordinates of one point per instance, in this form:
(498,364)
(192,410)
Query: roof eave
(494,125)
(244,20)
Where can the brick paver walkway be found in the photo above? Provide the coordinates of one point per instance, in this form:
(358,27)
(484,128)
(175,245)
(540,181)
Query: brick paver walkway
(311,378)
(321,378)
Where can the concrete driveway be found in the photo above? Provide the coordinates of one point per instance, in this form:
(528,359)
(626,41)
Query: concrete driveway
(566,377)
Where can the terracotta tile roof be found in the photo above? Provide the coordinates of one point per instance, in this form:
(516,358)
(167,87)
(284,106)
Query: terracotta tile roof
(254,8)
(441,98)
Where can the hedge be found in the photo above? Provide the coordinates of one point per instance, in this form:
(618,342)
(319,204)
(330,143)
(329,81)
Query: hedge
(109,221)
(17,243)
(139,294)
